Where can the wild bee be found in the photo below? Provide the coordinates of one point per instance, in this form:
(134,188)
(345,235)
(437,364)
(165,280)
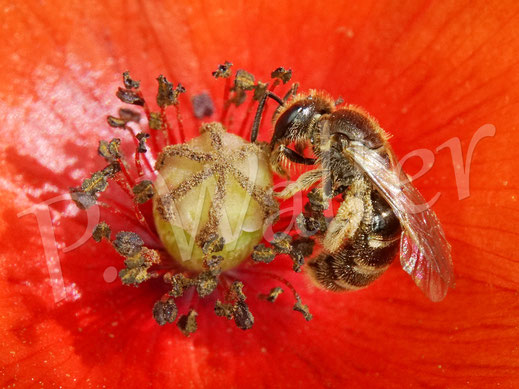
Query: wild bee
(379,209)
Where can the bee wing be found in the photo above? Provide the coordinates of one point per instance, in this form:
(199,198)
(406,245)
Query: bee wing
(424,250)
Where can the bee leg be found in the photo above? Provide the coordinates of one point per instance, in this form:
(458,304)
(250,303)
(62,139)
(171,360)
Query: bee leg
(349,216)
(305,181)
(259,113)
(297,158)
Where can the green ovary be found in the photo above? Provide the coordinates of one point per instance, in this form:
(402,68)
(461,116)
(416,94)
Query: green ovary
(241,223)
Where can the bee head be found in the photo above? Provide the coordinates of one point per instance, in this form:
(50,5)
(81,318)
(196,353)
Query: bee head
(296,123)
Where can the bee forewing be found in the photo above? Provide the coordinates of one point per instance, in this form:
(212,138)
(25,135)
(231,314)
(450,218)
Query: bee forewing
(429,280)
(424,250)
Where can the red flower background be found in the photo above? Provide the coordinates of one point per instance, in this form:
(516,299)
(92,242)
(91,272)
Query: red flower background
(428,71)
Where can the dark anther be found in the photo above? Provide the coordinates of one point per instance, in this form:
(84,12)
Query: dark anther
(129,97)
(273,294)
(127,243)
(300,307)
(155,121)
(102,230)
(243,316)
(223,71)
(115,122)
(128,82)
(142,137)
(143,191)
(283,74)
(167,95)
(187,323)
(244,80)
(165,312)
(83,200)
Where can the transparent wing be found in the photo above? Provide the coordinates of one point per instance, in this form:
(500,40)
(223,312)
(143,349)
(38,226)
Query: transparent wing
(424,250)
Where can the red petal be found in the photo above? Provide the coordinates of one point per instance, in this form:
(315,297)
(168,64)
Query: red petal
(427,72)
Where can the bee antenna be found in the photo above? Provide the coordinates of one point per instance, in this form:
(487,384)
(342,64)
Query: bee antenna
(259,113)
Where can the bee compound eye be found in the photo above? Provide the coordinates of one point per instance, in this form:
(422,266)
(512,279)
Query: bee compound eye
(287,119)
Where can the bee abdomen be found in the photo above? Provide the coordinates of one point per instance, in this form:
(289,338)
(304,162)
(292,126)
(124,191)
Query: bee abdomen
(354,266)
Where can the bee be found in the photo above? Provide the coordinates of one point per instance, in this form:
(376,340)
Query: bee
(379,211)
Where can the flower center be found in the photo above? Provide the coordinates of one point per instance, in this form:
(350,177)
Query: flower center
(213,197)
(212,200)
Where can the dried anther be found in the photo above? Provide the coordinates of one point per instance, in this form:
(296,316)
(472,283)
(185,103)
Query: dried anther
(317,200)
(223,310)
(110,150)
(179,283)
(115,122)
(206,283)
(142,137)
(127,243)
(129,97)
(102,230)
(273,294)
(223,71)
(300,307)
(213,263)
(96,183)
(128,82)
(236,291)
(165,312)
(282,244)
(81,199)
(111,170)
(155,121)
(244,80)
(243,316)
(304,245)
(312,221)
(212,244)
(167,94)
(239,310)
(282,74)
(263,254)
(143,191)
(187,323)
(260,90)
(137,266)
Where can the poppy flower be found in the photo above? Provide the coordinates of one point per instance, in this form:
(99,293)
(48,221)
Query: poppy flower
(440,77)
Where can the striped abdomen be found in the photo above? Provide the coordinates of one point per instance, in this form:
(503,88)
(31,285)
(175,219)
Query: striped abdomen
(366,255)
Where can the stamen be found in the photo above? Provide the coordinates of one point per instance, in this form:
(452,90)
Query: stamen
(273,294)
(187,323)
(102,230)
(165,312)
(181,133)
(224,71)
(282,243)
(223,165)
(298,306)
